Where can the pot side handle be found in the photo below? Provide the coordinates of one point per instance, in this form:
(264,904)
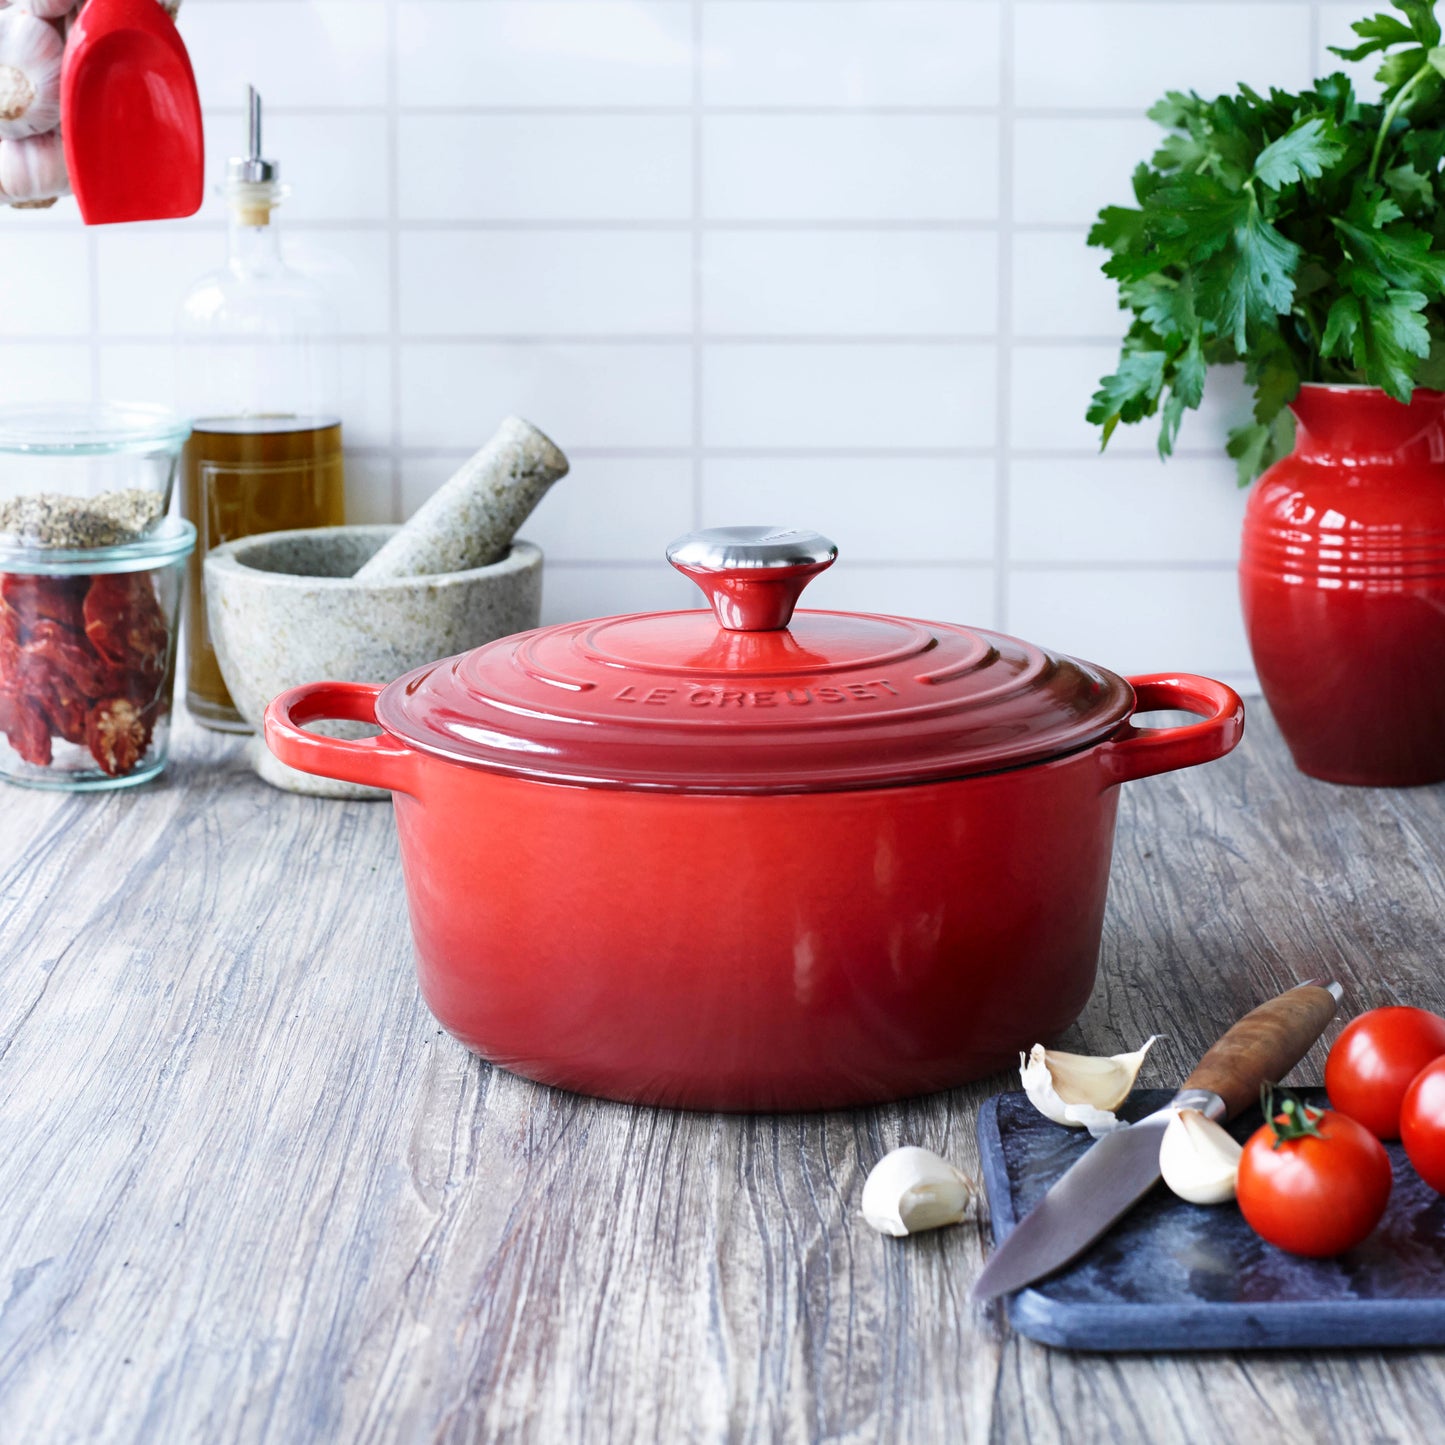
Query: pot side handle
(1135,752)
(379,762)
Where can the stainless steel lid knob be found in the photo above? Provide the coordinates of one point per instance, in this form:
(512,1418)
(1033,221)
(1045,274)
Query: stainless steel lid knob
(752,576)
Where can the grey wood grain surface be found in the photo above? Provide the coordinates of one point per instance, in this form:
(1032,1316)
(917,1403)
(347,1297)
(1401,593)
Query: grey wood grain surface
(250,1192)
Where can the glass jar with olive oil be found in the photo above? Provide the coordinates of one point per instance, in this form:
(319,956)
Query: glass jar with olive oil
(259,376)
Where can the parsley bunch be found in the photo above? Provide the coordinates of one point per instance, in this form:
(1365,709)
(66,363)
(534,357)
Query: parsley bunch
(1303,235)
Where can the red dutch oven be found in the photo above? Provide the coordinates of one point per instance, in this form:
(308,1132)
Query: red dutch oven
(748,858)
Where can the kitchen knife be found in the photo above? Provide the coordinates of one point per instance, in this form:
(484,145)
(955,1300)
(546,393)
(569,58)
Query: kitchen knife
(1123,1166)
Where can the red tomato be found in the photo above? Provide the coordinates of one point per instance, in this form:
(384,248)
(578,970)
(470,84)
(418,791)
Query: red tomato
(1374,1061)
(1314,1193)
(1422,1124)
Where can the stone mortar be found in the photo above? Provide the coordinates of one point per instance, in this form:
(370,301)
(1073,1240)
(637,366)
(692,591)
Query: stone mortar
(285,609)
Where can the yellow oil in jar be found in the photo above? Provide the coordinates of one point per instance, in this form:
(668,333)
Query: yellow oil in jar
(242,476)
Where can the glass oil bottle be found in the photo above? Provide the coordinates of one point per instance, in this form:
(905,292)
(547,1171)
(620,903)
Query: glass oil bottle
(259,377)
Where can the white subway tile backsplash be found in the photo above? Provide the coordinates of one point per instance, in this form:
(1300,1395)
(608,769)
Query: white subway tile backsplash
(1058,288)
(370,488)
(849,167)
(44,286)
(610,509)
(546,283)
(545,167)
(583,395)
(145,274)
(1052,386)
(572,593)
(1064,171)
(1126,55)
(941,594)
(544,52)
(869,52)
(333,165)
(755,283)
(321,52)
(40,372)
(895,395)
(885,509)
(354,267)
(138,371)
(1117,508)
(839,283)
(366,370)
(621,509)
(1150,620)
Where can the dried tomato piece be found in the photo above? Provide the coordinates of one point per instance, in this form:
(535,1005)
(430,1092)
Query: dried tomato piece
(56,652)
(11,629)
(9,660)
(124,621)
(118,732)
(65,708)
(31,598)
(27,727)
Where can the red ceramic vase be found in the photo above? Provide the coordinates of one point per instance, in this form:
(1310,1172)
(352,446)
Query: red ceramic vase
(1342,576)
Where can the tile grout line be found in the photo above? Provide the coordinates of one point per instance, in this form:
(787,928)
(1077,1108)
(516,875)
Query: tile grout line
(393,252)
(696,291)
(1004,323)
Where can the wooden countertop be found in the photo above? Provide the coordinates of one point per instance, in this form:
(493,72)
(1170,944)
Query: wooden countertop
(252,1193)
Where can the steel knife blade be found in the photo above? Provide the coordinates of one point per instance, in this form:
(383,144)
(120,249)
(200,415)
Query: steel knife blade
(1122,1167)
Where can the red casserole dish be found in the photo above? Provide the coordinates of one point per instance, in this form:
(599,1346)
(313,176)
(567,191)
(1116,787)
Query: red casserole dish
(749,858)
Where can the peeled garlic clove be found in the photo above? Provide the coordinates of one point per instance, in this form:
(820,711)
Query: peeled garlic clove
(30,54)
(1079,1090)
(1198,1159)
(912,1189)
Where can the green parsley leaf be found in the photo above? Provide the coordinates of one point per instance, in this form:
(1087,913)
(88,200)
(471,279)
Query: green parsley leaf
(1421,15)
(1380,336)
(1411,190)
(1252,283)
(1303,150)
(1400,253)
(1378,32)
(1302,235)
(1130,394)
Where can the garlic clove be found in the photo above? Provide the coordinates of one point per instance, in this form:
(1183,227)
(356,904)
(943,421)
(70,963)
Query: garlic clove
(31,51)
(33,169)
(1198,1159)
(913,1189)
(1079,1090)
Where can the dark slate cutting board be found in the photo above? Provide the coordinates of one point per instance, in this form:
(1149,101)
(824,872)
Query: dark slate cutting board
(1176,1276)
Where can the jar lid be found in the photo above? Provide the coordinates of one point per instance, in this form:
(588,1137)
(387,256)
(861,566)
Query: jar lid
(172,540)
(751,696)
(81,430)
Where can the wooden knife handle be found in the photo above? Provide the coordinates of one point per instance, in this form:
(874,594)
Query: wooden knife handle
(1263,1046)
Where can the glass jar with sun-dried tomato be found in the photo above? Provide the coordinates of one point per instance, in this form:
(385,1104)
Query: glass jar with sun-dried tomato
(88,658)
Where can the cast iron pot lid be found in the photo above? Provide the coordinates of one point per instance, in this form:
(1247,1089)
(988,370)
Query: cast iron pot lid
(751,696)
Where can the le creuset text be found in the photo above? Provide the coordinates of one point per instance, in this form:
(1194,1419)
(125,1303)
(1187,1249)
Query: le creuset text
(703,695)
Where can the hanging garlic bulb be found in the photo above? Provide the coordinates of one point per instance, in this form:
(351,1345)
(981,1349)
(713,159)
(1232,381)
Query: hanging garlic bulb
(913,1189)
(30,56)
(1078,1090)
(33,169)
(45,9)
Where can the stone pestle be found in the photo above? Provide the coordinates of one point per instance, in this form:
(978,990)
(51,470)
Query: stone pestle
(471,519)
